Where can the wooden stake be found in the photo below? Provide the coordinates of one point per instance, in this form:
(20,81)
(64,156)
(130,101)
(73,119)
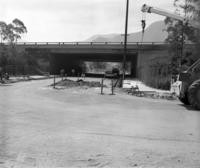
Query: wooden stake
(102,85)
(54,81)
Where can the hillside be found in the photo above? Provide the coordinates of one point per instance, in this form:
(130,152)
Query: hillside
(153,33)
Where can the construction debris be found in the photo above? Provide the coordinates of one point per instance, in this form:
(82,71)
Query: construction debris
(67,83)
(138,88)
(152,94)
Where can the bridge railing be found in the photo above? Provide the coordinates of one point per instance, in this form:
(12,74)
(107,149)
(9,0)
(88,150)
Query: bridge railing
(85,43)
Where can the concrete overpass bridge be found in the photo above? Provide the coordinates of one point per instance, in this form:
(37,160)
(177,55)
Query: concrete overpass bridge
(69,55)
(89,47)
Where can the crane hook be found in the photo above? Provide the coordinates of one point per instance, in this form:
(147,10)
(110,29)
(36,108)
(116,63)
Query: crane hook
(143,25)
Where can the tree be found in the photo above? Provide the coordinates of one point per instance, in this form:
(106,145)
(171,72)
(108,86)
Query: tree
(13,31)
(179,33)
(3,27)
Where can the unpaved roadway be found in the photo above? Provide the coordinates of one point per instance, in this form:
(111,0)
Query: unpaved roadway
(48,128)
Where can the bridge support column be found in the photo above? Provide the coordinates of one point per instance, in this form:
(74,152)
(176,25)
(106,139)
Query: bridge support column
(134,66)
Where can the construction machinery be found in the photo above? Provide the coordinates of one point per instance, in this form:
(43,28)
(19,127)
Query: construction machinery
(150,9)
(188,84)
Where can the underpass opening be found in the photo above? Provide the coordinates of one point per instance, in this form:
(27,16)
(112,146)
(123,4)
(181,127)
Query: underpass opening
(99,68)
(80,63)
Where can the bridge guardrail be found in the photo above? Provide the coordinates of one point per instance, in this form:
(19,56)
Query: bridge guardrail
(85,43)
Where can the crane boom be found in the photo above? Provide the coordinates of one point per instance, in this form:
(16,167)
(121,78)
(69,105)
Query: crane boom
(150,9)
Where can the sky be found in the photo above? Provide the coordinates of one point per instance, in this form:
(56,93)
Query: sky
(77,20)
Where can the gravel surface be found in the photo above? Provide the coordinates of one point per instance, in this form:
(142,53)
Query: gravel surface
(42,127)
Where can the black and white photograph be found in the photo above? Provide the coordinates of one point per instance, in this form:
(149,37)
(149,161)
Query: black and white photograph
(99,83)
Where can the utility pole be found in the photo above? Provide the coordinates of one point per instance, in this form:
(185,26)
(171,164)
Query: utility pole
(125,42)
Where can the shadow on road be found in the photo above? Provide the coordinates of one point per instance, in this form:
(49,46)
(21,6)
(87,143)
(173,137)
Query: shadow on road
(189,107)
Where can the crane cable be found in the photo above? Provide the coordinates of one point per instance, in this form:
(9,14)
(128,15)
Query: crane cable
(143,22)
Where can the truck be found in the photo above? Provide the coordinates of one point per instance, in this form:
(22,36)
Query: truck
(188,82)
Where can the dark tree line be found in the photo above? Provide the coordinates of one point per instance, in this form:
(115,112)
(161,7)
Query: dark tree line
(13,60)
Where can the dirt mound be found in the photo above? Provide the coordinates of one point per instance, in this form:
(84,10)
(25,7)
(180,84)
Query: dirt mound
(70,83)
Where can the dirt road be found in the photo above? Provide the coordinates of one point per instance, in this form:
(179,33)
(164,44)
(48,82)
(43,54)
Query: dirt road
(43,127)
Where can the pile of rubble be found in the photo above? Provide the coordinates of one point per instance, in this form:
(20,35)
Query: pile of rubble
(67,83)
(138,88)
(152,94)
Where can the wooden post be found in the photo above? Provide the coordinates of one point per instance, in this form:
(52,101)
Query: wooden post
(78,76)
(102,85)
(54,81)
(112,87)
(125,42)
